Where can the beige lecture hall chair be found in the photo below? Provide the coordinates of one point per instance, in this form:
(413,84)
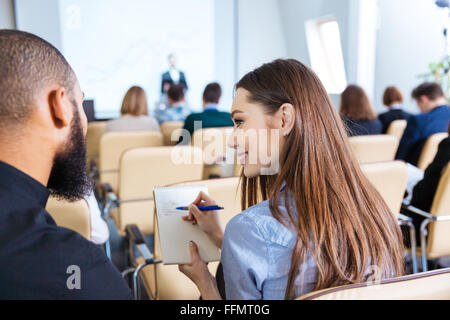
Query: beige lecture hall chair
(71,215)
(114,144)
(435,229)
(389,179)
(171,132)
(213,142)
(94,133)
(430,149)
(166,282)
(142,169)
(432,285)
(396,128)
(374,148)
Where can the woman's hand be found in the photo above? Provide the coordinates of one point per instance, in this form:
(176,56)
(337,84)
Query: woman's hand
(198,272)
(208,221)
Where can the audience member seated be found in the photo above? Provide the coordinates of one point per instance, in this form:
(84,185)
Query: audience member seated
(357,112)
(211,117)
(38,259)
(433,119)
(316,228)
(424,191)
(177,109)
(134,113)
(392,99)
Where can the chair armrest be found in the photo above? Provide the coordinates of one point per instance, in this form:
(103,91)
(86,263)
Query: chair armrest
(109,198)
(425,214)
(404,218)
(135,236)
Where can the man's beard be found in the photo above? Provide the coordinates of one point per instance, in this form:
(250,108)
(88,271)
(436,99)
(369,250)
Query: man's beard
(69,179)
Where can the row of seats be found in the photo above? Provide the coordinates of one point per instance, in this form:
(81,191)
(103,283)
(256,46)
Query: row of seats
(396,129)
(140,169)
(389,178)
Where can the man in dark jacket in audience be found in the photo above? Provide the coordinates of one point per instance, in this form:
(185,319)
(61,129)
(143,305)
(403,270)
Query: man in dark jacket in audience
(433,119)
(211,117)
(42,139)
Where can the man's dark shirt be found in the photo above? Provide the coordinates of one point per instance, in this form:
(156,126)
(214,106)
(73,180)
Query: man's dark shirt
(35,254)
(210,118)
(418,129)
(388,117)
(423,192)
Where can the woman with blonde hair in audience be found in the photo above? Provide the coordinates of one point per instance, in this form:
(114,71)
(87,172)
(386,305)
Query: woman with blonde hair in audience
(134,113)
(357,112)
(311,218)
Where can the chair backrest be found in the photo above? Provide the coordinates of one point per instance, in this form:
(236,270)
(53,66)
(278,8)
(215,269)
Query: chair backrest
(374,148)
(438,240)
(432,285)
(213,142)
(71,215)
(167,280)
(114,144)
(94,133)
(396,128)
(142,169)
(430,149)
(168,128)
(389,178)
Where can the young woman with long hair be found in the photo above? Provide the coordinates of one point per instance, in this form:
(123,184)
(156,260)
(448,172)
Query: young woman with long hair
(316,222)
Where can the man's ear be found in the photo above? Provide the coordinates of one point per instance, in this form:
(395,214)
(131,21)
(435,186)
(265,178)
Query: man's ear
(287,117)
(62,115)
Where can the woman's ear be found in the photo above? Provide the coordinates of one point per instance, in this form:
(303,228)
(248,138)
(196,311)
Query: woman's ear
(287,117)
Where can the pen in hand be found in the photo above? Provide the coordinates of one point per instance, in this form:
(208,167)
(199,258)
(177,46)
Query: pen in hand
(202,208)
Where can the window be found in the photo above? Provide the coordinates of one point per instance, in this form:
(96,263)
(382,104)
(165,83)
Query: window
(325,51)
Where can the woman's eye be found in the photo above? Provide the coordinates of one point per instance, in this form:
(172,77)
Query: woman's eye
(238,122)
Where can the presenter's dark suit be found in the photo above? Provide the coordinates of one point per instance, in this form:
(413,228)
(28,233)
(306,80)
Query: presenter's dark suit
(37,257)
(388,117)
(210,118)
(166,78)
(419,128)
(361,128)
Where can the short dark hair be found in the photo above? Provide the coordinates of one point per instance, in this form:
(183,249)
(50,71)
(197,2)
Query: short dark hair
(176,92)
(212,93)
(27,64)
(432,90)
(392,94)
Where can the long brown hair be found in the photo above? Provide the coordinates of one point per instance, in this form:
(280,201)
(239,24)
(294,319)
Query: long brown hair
(342,220)
(135,102)
(355,104)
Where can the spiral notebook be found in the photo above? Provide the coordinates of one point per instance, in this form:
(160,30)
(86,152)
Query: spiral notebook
(174,232)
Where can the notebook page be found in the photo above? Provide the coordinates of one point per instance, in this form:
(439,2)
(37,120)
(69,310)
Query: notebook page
(175,233)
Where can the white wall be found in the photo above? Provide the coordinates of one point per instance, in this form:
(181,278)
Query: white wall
(41,18)
(261,37)
(408,39)
(7,20)
(294,15)
(224,39)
